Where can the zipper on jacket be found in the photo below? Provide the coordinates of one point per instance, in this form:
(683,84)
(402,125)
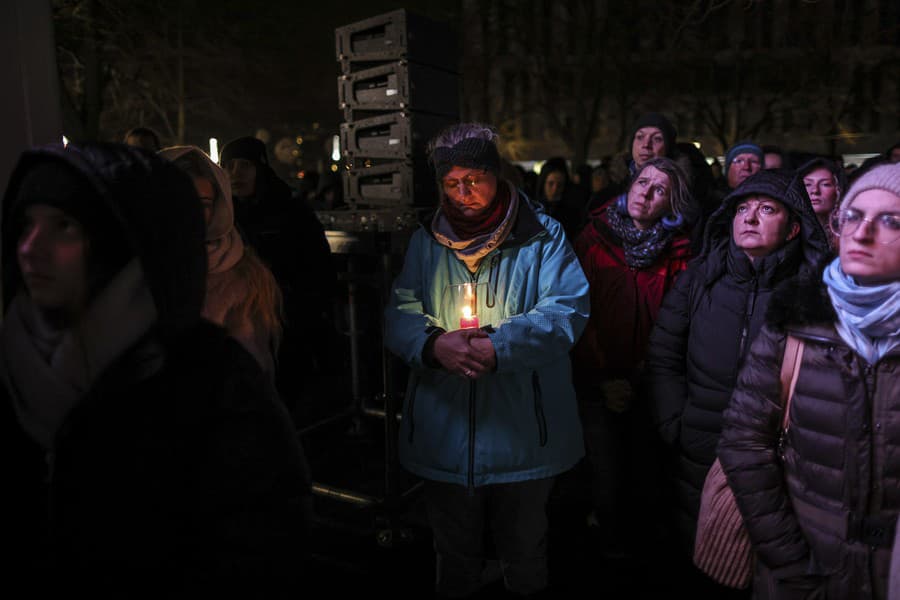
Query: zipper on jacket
(748,315)
(539,408)
(865,494)
(414,384)
(471,477)
(493,280)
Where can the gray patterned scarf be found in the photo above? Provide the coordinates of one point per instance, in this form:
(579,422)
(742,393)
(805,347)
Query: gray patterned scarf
(642,247)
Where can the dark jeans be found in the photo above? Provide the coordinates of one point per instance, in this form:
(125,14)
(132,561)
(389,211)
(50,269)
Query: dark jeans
(515,517)
(625,479)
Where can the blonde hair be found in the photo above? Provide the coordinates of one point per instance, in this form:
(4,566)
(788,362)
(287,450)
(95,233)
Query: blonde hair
(262,303)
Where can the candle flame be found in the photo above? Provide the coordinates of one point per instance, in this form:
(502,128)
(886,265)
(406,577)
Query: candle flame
(467,312)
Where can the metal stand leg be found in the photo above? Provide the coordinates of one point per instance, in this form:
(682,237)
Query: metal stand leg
(388,530)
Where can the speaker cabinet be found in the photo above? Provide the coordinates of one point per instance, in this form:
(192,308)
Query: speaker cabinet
(394,36)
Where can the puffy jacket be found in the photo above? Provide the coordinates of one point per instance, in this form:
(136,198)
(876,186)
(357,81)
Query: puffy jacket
(705,327)
(520,422)
(841,459)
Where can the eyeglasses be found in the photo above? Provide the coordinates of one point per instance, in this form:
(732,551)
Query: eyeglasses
(887,225)
(740,161)
(469,181)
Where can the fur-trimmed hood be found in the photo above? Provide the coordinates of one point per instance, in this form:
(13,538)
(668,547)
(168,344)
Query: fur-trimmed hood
(801,301)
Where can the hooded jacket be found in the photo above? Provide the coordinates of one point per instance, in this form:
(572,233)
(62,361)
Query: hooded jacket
(520,422)
(227,284)
(288,237)
(706,325)
(819,518)
(569,210)
(176,469)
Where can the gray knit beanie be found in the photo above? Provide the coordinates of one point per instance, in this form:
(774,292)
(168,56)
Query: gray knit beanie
(882,177)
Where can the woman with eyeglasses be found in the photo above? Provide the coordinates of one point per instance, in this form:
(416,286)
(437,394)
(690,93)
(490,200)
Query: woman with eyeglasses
(490,300)
(631,251)
(821,507)
(764,233)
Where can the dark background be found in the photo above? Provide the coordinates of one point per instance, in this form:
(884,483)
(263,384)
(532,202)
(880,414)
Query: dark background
(556,78)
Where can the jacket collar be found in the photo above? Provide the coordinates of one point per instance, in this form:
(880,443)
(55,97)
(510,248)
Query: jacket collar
(802,301)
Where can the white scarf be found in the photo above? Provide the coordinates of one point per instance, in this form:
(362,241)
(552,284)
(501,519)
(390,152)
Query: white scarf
(48,371)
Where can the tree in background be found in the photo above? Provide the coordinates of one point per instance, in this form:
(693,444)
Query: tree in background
(167,65)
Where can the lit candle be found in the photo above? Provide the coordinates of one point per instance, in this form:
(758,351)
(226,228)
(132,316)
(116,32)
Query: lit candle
(468,320)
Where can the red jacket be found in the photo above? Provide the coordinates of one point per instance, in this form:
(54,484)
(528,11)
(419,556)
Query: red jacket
(624,301)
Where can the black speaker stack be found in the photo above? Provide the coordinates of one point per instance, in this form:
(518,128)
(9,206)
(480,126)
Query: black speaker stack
(398,87)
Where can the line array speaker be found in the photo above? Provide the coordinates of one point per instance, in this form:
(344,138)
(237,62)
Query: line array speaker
(398,87)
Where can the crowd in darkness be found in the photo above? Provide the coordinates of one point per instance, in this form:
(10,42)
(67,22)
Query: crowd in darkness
(164,315)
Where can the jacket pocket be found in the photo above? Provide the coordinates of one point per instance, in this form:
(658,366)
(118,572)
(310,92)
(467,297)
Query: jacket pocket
(411,406)
(539,408)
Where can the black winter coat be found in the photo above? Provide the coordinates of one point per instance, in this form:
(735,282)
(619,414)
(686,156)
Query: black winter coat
(704,330)
(176,473)
(805,514)
(188,479)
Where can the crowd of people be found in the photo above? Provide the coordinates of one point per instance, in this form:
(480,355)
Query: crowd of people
(656,357)
(163,314)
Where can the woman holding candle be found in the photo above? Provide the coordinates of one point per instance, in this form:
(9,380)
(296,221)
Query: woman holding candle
(631,252)
(477,424)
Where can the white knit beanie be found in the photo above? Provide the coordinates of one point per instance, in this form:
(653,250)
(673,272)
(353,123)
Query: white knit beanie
(882,177)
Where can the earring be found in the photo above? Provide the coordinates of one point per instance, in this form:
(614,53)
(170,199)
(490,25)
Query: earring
(622,205)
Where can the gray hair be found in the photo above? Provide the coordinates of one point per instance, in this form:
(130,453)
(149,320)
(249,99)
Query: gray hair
(680,199)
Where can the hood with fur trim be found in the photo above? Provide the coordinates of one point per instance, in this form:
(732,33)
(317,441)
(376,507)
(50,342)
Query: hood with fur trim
(801,301)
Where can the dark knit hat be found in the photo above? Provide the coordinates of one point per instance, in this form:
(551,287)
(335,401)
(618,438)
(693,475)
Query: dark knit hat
(744,147)
(472,153)
(248,148)
(657,120)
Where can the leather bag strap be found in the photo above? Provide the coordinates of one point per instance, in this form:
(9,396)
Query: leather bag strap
(790,371)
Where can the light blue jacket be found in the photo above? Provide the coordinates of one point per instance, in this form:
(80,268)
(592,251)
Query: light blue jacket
(520,422)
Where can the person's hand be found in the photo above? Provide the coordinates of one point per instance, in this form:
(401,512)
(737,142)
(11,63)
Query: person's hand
(484,352)
(456,353)
(617,394)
